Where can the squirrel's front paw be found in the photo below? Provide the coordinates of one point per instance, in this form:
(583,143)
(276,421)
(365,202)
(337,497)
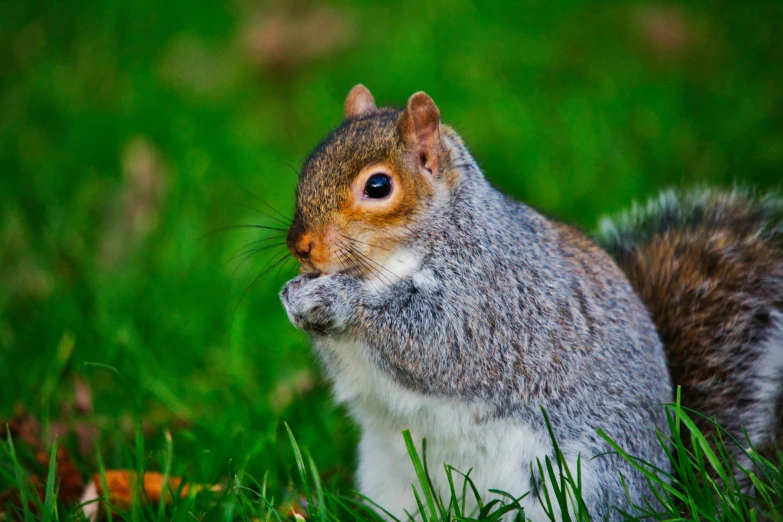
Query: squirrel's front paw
(322,304)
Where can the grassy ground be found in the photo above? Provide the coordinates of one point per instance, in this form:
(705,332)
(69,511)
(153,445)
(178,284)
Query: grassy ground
(131,130)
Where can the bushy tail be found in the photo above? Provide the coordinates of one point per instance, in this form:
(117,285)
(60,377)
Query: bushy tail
(709,267)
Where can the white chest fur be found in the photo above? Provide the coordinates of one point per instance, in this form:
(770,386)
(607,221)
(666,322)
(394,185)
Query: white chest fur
(400,264)
(499,453)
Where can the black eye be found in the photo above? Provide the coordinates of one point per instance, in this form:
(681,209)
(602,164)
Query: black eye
(378,186)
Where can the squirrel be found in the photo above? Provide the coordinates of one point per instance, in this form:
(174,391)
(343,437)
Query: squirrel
(439,305)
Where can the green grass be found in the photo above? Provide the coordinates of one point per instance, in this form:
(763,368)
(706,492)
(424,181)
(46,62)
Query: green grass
(701,486)
(131,130)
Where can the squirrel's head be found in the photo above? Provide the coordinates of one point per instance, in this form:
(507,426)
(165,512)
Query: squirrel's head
(362,190)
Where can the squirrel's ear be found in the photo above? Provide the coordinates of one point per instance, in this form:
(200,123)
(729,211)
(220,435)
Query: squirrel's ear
(359,102)
(419,127)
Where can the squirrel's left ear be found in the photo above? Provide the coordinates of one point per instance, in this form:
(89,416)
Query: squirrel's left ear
(419,127)
(359,102)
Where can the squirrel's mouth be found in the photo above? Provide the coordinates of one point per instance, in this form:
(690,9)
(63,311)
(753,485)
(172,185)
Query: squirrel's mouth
(349,270)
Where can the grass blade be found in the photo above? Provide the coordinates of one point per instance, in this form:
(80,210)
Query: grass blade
(50,499)
(319,492)
(300,465)
(20,476)
(421,474)
(169,459)
(104,500)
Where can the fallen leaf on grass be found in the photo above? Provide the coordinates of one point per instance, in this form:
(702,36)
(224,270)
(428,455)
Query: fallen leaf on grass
(25,431)
(12,498)
(24,427)
(70,480)
(122,486)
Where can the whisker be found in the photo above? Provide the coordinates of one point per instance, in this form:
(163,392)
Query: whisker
(374,262)
(270,216)
(369,259)
(353,264)
(263,272)
(270,238)
(273,209)
(363,243)
(282,267)
(235,227)
(250,252)
(254,251)
(358,260)
(346,260)
(292,168)
(372,270)
(247,258)
(268,266)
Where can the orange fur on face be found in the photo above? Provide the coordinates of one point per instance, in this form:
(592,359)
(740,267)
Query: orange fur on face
(312,251)
(370,227)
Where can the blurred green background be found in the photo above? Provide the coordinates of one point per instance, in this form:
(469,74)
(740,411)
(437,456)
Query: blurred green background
(131,130)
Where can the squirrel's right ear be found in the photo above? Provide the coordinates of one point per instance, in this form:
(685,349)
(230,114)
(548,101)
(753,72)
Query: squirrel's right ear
(419,127)
(359,102)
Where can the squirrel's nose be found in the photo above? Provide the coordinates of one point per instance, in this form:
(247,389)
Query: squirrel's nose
(303,248)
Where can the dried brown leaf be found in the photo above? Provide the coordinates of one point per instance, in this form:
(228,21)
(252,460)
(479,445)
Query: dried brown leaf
(24,427)
(25,431)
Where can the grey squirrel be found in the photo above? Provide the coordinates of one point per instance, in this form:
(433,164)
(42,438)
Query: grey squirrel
(439,305)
